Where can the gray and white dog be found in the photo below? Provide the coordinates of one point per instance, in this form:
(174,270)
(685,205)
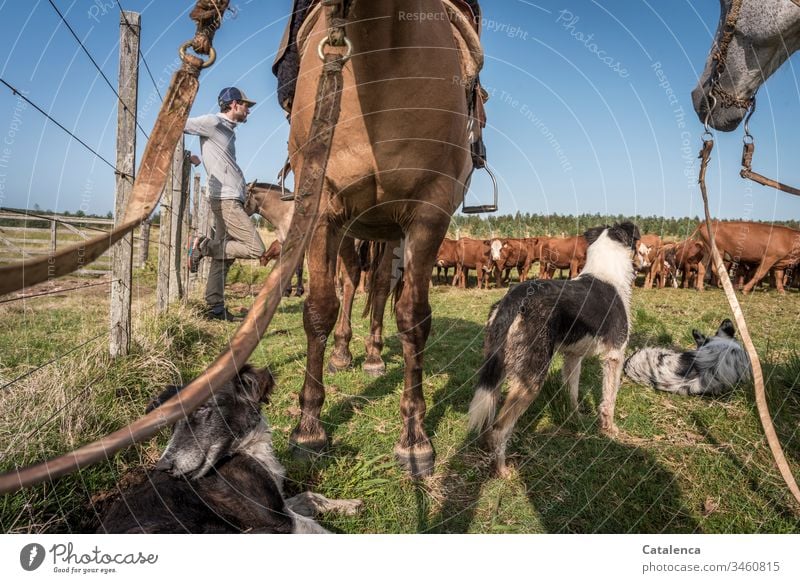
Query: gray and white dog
(219,473)
(583,316)
(717,365)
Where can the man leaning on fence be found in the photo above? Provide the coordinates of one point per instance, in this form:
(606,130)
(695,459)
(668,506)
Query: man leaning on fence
(235,235)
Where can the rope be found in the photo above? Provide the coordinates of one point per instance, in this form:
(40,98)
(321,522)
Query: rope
(96,66)
(736,308)
(16,91)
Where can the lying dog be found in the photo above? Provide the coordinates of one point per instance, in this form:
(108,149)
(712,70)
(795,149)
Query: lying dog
(718,364)
(586,315)
(219,473)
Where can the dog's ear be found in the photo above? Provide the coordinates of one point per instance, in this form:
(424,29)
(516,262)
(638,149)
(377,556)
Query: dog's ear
(726,329)
(626,233)
(257,383)
(165,396)
(699,337)
(593,234)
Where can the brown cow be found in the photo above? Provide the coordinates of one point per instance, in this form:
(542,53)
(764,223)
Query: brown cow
(473,254)
(513,253)
(562,253)
(646,257)
(662,270)
(688,258)
(532,246)
(762,244)
(447,257)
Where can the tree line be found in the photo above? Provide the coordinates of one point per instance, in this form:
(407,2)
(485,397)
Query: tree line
(532,225)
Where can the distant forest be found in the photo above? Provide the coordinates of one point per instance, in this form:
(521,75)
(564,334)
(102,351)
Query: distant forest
(517,225)
(532,225)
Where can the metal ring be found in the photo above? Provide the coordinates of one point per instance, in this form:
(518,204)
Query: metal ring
(327,41)
(707,136)
(712,105)
(212,55)
(750,113)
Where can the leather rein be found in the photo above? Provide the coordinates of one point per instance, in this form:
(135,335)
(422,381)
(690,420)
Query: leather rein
(146,193)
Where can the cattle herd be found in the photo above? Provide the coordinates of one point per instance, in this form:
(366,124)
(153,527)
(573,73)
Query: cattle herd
(751,252)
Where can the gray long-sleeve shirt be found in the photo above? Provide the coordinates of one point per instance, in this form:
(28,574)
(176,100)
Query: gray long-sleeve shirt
(218,149)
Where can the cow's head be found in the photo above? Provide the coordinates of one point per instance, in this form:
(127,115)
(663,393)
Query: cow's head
(496,247)
(641,256)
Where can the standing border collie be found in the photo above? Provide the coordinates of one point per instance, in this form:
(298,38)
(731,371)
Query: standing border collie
(586,315)
(219,473)
(718,364)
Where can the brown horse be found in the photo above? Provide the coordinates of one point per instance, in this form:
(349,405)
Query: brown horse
(265,199)
(398,168)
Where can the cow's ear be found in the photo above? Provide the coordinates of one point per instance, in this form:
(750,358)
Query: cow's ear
(726,329)
(699,338)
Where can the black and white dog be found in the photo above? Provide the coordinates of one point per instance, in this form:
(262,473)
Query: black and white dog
(718,364)
(586,315)
(219,473)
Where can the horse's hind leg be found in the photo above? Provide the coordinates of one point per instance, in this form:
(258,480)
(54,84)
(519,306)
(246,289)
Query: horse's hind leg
(414,450)
(341,358)
(319,315)
(378,296)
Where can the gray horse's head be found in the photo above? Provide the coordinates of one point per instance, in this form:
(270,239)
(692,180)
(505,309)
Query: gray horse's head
(767,33)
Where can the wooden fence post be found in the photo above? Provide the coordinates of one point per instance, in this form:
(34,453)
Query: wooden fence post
(53,235)
(176,241)
(204,224)
(144,243)
(186,235)
(122,252)
(164,242)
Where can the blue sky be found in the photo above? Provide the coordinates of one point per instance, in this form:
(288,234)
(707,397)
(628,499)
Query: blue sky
(589,111)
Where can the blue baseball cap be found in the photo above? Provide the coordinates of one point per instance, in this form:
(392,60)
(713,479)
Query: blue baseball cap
(233,94)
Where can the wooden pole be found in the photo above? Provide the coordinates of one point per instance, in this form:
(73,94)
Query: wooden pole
(122,252)
(204,225)
(53,235)
(144,243)
(183,262)
(176,241)
(164,242)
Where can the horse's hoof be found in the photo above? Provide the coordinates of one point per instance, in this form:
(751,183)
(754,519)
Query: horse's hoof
(299,292)
(374,369)
(307,446)
(417,460)
(338,363)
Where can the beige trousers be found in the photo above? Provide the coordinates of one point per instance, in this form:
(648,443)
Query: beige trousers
(235,237)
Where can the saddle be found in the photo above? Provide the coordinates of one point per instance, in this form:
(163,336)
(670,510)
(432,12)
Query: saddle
(465,18)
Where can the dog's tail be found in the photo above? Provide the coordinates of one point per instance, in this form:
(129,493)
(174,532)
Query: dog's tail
(662,369)
(487,393)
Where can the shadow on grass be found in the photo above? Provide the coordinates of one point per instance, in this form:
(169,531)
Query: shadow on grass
(574,480)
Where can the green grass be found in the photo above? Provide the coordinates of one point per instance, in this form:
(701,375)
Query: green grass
(680,464)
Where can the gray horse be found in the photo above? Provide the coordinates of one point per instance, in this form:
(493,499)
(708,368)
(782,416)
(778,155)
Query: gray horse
(753,39)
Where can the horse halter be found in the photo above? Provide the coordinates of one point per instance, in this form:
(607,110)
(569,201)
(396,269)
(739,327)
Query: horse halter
(717,94)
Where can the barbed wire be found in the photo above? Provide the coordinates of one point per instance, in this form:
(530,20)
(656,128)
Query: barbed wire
(49,362)
(55,291)
(18,93)
(99,70)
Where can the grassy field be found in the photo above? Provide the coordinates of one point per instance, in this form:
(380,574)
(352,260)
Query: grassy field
(679,465)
